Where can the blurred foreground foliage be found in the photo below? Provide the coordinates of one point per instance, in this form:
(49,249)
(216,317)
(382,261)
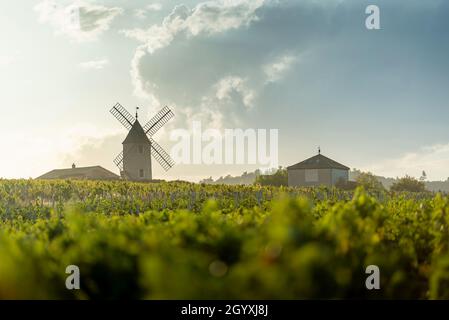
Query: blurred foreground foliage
(290,246)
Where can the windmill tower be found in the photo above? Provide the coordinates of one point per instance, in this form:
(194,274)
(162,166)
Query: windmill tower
(134,161)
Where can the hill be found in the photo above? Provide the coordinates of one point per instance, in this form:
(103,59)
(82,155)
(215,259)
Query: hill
(388,182)
(249,178)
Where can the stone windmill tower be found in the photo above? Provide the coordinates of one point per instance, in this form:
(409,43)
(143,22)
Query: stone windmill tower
(134,161)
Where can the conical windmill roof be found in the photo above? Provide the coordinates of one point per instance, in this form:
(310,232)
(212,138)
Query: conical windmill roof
(136,135)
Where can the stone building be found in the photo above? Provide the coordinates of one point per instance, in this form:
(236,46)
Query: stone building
(84,173)
(317,171)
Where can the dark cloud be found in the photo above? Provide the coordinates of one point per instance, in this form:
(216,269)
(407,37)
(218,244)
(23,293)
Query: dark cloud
(347,79)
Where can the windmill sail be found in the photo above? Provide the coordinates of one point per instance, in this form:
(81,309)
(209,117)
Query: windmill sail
(161,156)
(123,116)
(119,161)
(161,118)
(128,121)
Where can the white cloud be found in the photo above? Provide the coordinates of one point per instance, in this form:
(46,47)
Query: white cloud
(79,20)
(221,105)
(206,18)
(142,13)
(94,65)
(219,98)
(226,86)
(433,159)
(154,7)
(276,70)
(142,89)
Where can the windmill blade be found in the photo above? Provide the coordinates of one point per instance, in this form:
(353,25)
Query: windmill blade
(161,156)
(158,121)
(119,161)
(123,116)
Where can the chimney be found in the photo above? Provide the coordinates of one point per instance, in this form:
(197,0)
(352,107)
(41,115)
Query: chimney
(73,166)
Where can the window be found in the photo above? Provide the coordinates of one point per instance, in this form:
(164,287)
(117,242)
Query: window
(140,148)
(141,175)
(311,175)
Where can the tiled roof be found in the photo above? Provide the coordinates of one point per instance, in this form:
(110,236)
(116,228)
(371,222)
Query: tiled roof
(88,173)
(318,162)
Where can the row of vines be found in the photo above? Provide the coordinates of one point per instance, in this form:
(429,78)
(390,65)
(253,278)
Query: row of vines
(191,241)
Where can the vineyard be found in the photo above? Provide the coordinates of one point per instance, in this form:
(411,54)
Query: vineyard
(191,241)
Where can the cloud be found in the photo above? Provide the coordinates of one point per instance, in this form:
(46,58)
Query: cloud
(142,88)
(79,20)
(278,68)
(434,160)
(142,13)
(185,25)
(223,56)
(94,65)
(226,86)
(154,7)
(206,18)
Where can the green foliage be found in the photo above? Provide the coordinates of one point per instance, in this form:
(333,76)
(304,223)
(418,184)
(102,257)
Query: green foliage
(369,182)
(408,184)
(277,179)
(187,241)
(346,185)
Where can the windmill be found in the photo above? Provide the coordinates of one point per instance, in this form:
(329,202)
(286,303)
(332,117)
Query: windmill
(134,161)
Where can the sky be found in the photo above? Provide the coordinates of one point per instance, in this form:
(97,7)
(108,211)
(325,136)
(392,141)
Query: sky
(375,100)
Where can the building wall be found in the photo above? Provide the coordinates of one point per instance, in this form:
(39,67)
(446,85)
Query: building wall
(338,174)
(297,178)
(327,177)
(134,161)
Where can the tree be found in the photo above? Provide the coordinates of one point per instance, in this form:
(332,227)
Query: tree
(409,184)
(207,181)
(369,181)
(279,178)
(423,176)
